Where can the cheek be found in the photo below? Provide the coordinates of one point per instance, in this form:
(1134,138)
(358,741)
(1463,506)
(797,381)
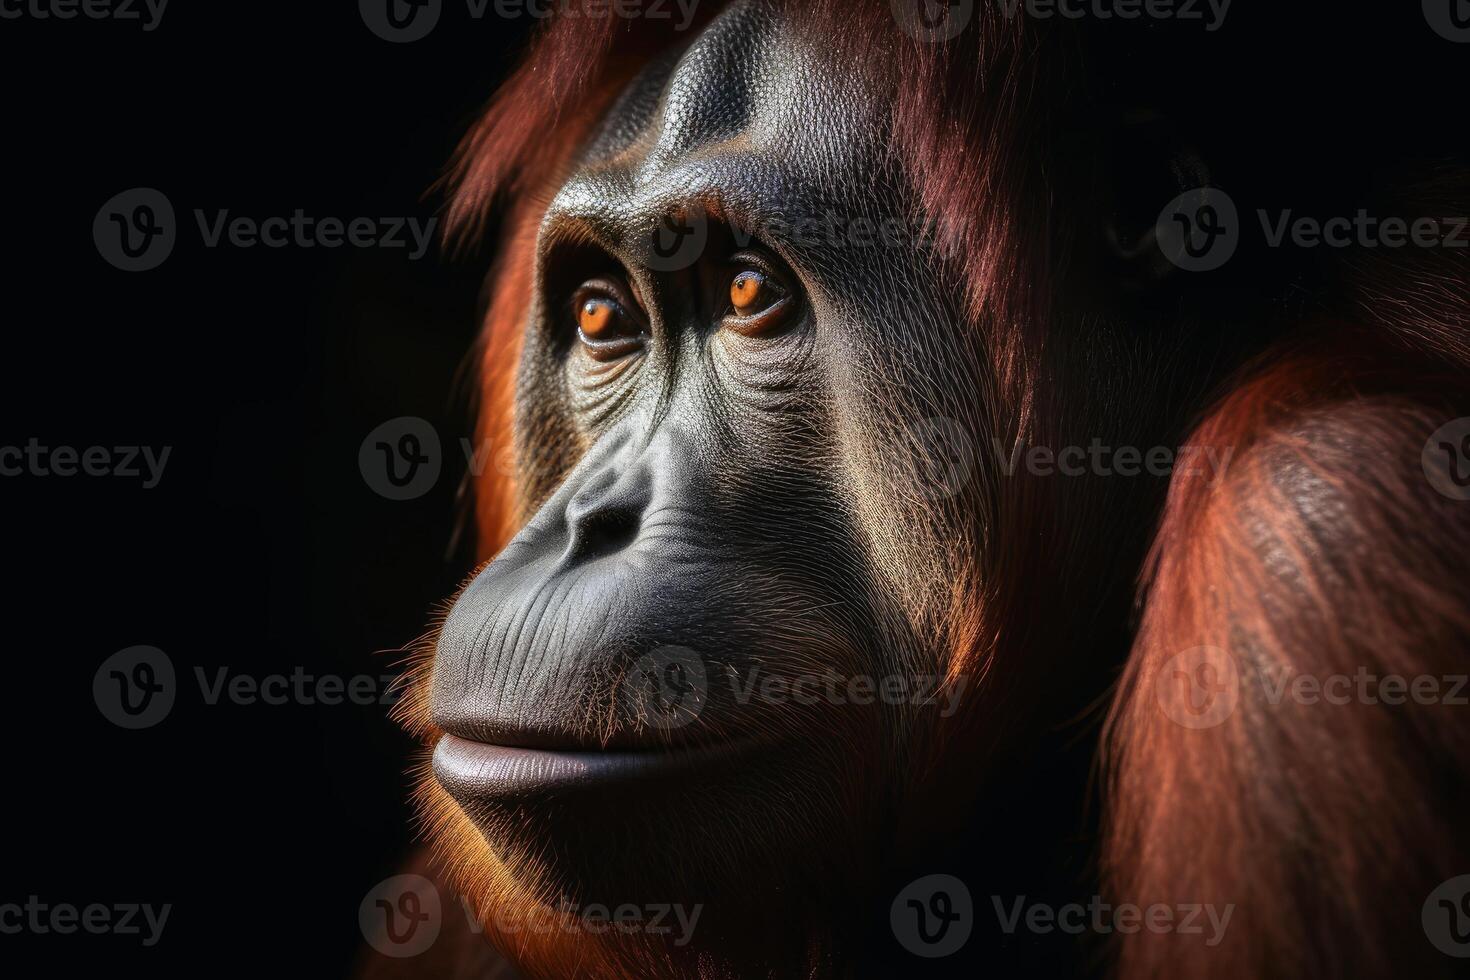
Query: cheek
(777,376)
(597,390)
(912,475)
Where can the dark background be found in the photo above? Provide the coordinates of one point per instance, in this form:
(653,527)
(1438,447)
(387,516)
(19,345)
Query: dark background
(262,549)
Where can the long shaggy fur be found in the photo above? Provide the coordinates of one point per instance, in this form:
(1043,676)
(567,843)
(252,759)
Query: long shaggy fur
(1323,551)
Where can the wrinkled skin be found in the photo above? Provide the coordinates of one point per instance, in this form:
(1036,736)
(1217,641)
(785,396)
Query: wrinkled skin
(726,502)
(736,524)
(741,507)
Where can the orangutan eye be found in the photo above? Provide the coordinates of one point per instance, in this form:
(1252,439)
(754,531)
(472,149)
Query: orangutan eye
(599,318)
(759,300)
(607,323)
(750,292)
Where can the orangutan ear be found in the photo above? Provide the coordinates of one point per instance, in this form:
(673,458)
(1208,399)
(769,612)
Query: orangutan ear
(1149,162)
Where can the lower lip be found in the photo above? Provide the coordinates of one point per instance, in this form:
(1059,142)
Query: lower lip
(481,771)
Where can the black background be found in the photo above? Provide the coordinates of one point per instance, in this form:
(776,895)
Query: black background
(262,549)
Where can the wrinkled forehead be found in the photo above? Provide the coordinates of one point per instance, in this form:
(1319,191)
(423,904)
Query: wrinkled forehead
(750,120)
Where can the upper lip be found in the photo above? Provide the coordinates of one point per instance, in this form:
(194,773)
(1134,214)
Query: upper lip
(489,731)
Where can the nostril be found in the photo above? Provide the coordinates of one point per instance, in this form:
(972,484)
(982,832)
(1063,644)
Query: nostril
(603,531)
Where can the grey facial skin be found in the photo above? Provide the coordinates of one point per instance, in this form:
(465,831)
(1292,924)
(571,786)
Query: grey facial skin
(723,503)
(730,496)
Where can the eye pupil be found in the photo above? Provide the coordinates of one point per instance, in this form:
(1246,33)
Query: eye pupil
(596,318)
(745,291)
